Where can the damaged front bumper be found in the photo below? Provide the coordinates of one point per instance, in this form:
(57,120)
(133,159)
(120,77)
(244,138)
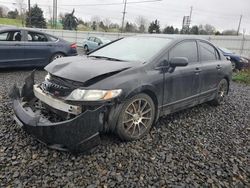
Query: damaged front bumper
(77,134)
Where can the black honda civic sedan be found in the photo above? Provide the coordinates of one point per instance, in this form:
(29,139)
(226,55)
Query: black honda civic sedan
(122,87)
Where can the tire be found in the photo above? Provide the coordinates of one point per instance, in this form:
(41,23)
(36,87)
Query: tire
(136,117)
(86,48)
(56,56)
(222,90)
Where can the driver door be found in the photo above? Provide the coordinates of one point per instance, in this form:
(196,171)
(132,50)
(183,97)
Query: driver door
(182,86)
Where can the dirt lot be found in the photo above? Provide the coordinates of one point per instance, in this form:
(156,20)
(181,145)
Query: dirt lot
(202,146)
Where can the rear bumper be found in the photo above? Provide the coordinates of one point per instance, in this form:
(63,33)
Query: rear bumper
(76,135)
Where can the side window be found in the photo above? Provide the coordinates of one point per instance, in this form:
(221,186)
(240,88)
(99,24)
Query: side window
(4,36)
(52,38)
(11,36)
(97,40)
(186,49)
(207,52)
(92,39)
(36,37)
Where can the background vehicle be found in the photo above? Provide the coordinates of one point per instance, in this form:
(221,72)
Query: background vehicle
(26,47)
(238,62)
(91,43)
(122,87)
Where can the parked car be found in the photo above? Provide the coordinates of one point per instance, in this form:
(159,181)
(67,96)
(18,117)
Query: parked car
(123,87)
(238,62)
(91,43)
(27,47)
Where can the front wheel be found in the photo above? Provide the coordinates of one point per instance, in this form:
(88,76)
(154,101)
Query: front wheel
(222,90)
(136,117)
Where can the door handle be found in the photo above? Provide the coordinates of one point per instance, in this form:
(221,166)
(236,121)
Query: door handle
(218,67)
(49,45)
(197,70)
(17,44)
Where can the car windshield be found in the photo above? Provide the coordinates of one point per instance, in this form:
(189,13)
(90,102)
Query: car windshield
(133,49)
(226,50)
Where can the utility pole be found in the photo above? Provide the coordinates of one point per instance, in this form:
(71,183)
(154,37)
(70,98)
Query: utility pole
(238,30)
(29,14)
(190,15)
(124,12)
(54,13)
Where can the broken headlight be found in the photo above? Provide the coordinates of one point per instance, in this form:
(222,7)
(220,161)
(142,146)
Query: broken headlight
(93,95)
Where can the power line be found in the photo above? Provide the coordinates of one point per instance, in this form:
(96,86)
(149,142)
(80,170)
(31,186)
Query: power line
(104,4)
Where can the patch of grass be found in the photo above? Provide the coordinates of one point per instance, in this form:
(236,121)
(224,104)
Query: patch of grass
(14,22)
(242,77)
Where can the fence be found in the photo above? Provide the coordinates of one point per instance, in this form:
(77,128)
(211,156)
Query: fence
(237,44)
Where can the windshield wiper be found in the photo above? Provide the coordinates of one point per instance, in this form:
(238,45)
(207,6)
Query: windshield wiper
(103,57)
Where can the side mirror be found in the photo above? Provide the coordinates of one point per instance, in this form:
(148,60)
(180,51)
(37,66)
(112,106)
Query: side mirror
(99,43)
(228,58)
(178,62)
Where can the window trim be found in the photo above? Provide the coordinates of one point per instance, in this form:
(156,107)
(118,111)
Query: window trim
(182,41)
(217,54)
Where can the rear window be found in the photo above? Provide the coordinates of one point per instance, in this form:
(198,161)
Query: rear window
(207,52)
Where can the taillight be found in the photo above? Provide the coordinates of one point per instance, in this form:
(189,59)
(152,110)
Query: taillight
(73,45)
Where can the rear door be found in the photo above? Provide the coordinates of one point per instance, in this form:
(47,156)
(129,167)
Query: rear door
(92,44)
(38,48)
(211,69)
(181,87)
(12,53)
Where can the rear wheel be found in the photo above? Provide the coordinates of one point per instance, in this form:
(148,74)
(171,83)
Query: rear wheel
(56,56)
(136,117)
(222,90)
(86,48)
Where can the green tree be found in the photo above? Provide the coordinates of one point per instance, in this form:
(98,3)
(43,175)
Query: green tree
(130,27)
(94,25)
(194,30)
(176,31)
(154,27)
(70,22)
(36,18)
(102,26)
(168,30)
(12,14)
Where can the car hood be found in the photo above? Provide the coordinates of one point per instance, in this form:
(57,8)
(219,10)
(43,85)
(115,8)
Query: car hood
(83,69)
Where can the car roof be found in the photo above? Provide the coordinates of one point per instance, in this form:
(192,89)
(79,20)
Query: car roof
(170,36)
(2,29)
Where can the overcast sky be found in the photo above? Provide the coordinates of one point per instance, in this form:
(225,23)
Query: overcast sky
(223,14)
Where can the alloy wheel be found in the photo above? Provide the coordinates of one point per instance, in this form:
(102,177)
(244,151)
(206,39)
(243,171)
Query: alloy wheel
(137,117)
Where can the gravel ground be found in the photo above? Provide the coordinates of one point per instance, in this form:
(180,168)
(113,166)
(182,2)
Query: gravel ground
(203,146)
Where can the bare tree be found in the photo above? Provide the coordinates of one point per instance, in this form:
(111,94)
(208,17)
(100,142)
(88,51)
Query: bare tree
(95,19)
(21,6)
(142,23)
(107,22)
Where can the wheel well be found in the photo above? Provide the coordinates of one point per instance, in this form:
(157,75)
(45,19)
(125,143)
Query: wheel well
(154,98)
(55,54)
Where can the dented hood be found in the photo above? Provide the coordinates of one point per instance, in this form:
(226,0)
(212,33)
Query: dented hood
(82,69)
